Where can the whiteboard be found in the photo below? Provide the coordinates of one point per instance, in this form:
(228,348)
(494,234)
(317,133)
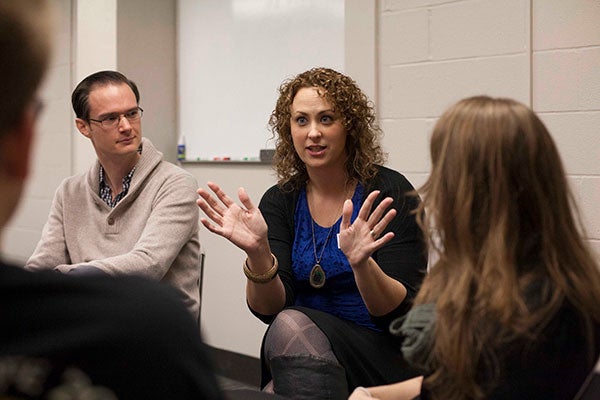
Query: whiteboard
(232,57)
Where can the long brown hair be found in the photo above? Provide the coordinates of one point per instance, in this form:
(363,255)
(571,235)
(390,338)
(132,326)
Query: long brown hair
(358,117)
(503,221)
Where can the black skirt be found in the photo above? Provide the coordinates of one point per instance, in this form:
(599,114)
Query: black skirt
(369,357)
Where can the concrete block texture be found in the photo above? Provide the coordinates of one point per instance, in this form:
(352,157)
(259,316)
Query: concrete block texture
(544,53)
(407,143)
(395,5)
(479,28)
(566,80)
(577,136)
(589,200)
(586,190)
(425,90)
(404,37)
(559,24)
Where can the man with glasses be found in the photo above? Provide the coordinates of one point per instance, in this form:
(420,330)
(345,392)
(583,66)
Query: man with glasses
(131,212)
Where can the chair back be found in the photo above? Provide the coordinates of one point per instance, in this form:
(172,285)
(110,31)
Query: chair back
(200,281)
(590,390)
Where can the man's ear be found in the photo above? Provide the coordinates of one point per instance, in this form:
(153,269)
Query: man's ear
(16,146)
(83,127)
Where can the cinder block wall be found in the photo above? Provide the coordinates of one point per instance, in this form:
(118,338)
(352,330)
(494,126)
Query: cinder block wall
(566,93)
(544,53)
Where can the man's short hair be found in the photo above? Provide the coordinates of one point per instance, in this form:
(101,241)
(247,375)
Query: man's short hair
(25,35)
(81,94)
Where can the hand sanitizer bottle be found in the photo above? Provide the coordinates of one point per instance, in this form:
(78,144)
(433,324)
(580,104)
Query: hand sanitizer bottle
(181,148)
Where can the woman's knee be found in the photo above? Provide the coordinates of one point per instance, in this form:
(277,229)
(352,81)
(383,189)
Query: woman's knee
(293,333)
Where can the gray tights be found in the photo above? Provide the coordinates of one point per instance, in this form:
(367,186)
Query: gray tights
(293,333)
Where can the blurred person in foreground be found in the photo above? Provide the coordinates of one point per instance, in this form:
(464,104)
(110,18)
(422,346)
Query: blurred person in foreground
(66,337)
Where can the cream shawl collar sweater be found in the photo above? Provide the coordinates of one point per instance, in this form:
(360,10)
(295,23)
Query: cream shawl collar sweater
(151,232)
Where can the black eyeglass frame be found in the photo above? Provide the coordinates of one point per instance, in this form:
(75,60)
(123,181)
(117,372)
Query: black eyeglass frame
(119,116)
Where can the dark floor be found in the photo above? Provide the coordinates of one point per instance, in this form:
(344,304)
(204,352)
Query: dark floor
(232,384)
(236,370)
(237,390)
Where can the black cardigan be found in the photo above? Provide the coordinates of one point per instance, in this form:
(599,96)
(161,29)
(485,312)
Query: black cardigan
(404,258)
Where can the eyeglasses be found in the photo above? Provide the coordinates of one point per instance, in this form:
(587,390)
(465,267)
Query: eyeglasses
(112,120)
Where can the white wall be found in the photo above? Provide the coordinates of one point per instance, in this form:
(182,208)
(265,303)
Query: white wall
(544,53)
(146,53)
(566,93)
(422,56)
(433,53)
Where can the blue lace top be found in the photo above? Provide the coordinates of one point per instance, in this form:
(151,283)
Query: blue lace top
(339,296)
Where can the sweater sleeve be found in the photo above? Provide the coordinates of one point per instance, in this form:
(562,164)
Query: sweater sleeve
(171,224)
(51,250)
(277,209)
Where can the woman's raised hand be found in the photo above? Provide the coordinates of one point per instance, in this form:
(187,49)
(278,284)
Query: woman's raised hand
(243,225)
(359,240)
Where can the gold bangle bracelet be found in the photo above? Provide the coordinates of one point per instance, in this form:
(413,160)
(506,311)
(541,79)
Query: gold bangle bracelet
(261,278)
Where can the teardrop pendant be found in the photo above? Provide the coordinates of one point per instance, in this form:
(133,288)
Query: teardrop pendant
(317,277)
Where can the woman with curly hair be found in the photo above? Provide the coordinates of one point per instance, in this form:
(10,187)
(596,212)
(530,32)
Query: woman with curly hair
(328,298)
(511,309)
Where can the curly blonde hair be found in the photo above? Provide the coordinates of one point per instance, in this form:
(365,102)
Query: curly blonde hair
(358,118)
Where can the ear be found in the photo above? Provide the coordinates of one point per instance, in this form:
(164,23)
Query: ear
(83,127)
(16,146)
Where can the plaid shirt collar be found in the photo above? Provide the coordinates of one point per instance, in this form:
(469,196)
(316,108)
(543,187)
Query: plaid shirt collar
(105,192)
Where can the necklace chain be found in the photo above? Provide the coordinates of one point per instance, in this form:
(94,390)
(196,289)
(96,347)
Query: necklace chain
(312,226)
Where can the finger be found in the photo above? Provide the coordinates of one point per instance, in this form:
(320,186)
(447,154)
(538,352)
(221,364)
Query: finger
(210,201)
(366,207)
(346,214)
(226,200)
(245,199)
(379,227)
(379,243)
(379,210)
(209,211)
(203,193)
(210,226)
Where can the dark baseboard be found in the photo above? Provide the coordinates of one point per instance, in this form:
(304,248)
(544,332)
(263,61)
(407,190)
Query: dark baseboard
(239,367)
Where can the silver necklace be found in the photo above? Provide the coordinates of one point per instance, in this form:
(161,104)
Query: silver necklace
(317,275)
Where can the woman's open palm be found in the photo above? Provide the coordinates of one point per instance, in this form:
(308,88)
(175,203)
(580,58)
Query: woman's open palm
(243,225)
(361,238)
